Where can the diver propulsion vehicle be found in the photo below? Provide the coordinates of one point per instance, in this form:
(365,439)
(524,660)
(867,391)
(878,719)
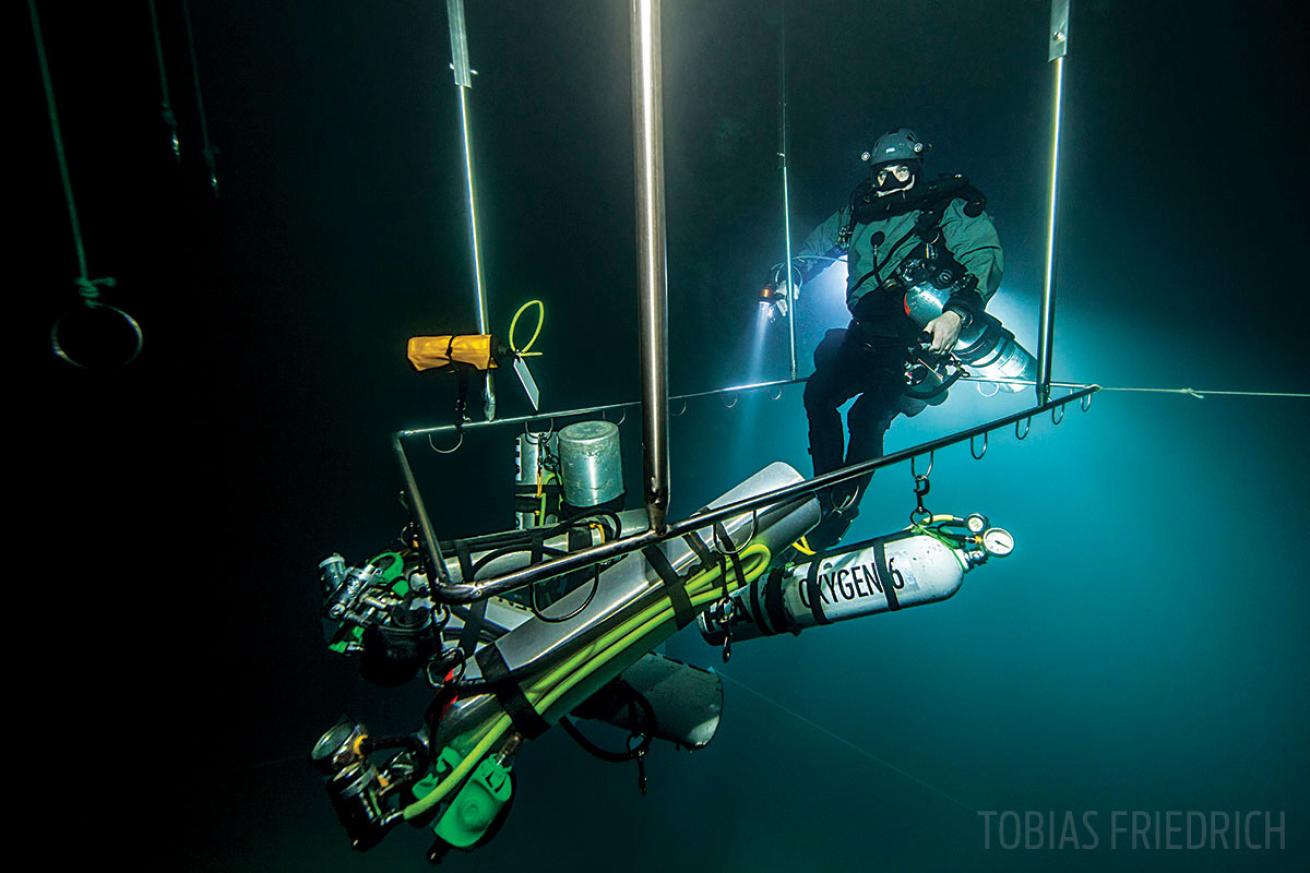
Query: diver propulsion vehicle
(506,668)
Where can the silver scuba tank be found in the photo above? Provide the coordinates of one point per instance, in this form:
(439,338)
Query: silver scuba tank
(985,346)
(879,575)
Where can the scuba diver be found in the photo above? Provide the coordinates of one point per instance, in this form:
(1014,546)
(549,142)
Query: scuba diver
(898,230)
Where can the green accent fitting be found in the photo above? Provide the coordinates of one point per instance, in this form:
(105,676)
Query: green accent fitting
(476,805)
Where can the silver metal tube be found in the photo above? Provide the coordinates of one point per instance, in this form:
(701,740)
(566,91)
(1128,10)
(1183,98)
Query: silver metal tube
(592,410)
(1058,49)
(459,53)
(783,144)
(652,287)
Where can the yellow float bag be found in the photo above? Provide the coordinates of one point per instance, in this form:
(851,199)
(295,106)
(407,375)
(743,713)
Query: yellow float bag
(430,352)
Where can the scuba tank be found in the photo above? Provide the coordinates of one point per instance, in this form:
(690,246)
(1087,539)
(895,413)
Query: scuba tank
(915,566)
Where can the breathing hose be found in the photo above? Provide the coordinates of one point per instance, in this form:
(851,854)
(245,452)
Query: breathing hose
(702,588)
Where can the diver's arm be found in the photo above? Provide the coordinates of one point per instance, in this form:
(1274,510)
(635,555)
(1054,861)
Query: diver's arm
(975,244)
(820,247)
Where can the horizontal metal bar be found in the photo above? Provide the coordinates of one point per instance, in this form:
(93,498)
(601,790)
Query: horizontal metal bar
(587,410)
(468,592)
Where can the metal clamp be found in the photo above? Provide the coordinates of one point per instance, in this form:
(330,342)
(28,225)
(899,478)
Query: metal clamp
(977,455)
(1027,428)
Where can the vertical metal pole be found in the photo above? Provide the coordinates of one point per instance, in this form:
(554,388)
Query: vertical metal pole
(1058,49)
(786,195)
(652,290)
(459,53)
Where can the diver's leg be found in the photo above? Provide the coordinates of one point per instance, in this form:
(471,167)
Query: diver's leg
(869,419)
(825,391)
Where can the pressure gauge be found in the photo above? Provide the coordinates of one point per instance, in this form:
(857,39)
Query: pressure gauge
(998,542)
(976,523)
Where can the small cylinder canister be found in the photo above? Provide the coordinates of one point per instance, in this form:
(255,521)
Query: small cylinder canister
(533,458)
(879,575)
(591,463)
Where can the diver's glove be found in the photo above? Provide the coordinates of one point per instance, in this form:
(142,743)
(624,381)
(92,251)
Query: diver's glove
(944,331)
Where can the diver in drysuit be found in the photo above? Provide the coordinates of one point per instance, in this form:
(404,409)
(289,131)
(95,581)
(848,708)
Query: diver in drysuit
(893,216)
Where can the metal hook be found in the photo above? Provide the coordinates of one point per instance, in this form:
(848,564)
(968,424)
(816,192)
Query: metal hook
(777,393)
(1086,402)
(1057,414)
(619,423)
(978,456)
(451,450)
(996,388)
(714,534)
(544,434)
(1028,426)
(735,400)
(915,473)
(682,413)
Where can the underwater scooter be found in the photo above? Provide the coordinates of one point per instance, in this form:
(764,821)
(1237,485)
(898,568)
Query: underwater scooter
(507,668)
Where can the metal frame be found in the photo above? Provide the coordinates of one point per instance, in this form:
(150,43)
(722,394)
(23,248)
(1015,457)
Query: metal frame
(652,281)
(652,295)
(1058,49)
(469,592)
(464,72)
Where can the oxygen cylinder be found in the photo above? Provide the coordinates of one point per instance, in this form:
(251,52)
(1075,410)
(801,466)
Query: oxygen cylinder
(985,346)
(590,463)
(879,575)
(534,455)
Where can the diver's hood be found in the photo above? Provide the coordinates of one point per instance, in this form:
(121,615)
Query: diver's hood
(867,206)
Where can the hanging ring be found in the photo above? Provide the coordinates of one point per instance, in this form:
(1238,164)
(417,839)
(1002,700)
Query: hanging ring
(1028,426)
(1086,402)
(735,400)
(683,412)
(1057,414)
(57,346)
(996,388)
(755,522)
(977,455)
(450,451)
(915,473)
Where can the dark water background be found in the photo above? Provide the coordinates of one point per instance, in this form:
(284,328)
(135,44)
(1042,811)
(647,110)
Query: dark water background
(1144,649)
